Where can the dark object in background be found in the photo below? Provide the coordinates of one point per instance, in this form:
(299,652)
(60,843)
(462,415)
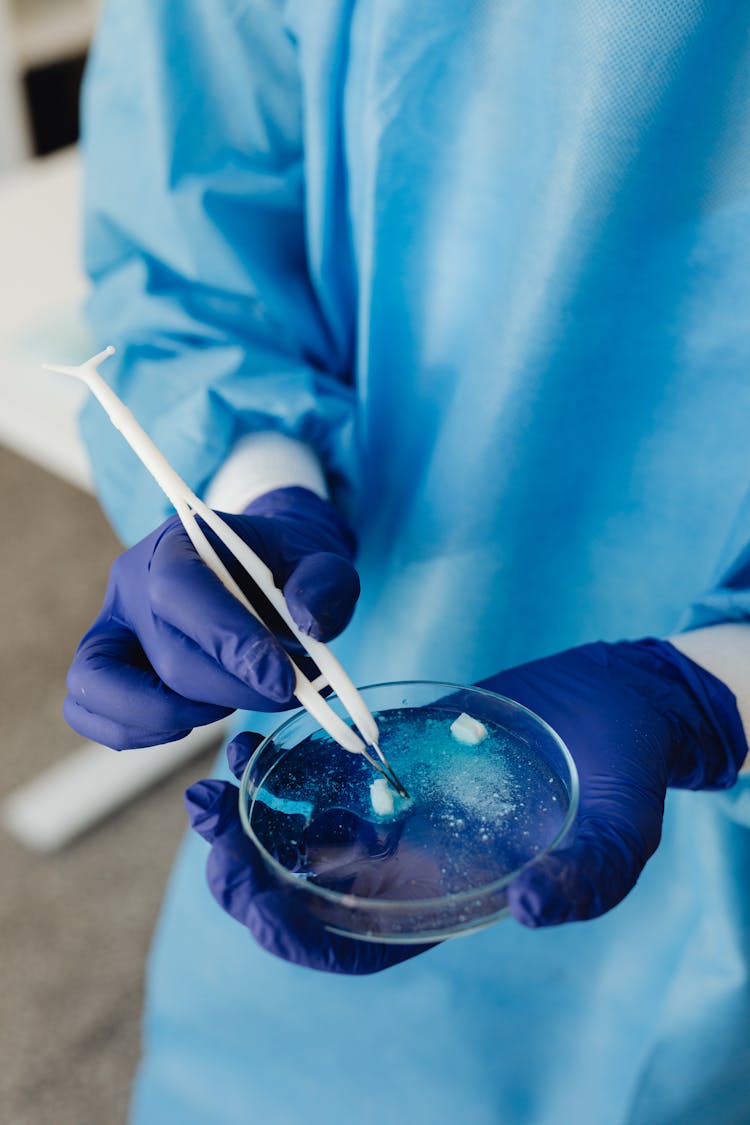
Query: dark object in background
(52,93)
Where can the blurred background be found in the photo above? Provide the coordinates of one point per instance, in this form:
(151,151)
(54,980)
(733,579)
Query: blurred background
(80,889)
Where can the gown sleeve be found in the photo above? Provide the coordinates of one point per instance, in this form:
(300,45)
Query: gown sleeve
(195,243)
(727,596)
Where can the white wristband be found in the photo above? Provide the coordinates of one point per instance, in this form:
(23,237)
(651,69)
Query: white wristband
(723,650)
(260,463)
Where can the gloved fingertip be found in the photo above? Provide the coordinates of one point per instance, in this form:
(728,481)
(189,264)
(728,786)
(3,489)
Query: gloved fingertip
(211,806)
(241,749)
(526,906)
(77,717)
(575,884)
(537,898)
(269,671)
(322,594)
(236,874)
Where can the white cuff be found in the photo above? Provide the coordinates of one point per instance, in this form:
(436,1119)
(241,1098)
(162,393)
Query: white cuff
(260,463)
(723,650)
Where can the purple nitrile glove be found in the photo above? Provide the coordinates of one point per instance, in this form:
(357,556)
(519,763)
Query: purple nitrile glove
(637,717)
(172,649)
(244,887)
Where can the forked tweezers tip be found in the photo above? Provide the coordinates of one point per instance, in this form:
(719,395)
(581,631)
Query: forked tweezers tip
(389,772)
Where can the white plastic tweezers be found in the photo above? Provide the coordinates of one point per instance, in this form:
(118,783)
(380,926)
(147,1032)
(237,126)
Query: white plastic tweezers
(188,507)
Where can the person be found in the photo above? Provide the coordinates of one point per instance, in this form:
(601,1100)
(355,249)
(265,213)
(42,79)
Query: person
(449,301)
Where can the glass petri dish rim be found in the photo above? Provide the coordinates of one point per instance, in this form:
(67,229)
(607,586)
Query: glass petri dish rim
(386,905)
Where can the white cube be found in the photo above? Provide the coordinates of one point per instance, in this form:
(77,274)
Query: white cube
(467,730)
(381,796)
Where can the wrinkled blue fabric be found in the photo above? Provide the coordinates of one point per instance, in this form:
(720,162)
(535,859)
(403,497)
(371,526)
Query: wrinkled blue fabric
(171,649)
(488,259)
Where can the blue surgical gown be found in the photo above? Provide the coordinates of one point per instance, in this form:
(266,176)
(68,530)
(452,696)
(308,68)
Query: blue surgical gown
(490,260)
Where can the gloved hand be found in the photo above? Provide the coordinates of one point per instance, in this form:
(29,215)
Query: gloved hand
(243,886)
(637,717)
(172,649)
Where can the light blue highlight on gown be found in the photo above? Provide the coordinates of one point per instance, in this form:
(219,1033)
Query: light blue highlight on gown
(489,259)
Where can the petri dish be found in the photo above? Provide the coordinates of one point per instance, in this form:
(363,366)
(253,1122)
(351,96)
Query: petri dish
(435,866)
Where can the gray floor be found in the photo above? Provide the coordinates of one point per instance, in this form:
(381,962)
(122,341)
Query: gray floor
(74,927)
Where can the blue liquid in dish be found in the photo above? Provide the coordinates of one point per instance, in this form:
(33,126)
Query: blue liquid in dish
(474,814)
